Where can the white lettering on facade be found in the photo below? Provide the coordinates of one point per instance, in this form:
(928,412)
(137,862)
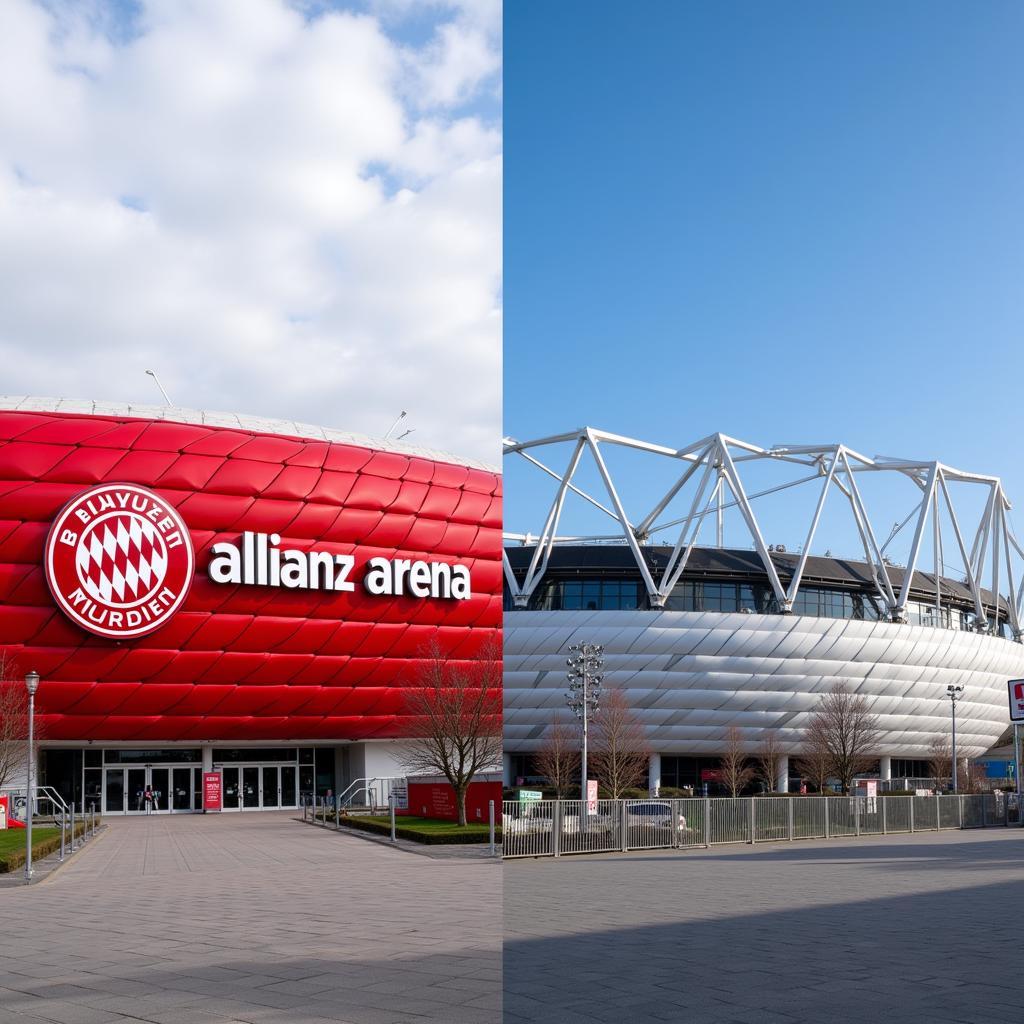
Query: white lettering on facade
(259,560)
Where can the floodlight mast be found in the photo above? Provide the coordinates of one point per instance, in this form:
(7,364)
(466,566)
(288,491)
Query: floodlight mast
(954,693)
(585,668)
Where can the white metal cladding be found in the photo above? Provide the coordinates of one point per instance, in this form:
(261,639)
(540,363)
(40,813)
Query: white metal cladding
(690,676)
(712,470)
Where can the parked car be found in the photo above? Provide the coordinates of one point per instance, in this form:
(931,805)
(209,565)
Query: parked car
(653,814)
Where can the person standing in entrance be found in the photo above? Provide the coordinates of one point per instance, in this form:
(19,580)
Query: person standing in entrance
(149,800)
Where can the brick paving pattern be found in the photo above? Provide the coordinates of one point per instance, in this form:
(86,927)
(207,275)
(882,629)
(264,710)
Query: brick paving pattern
(255,918)
(901,930)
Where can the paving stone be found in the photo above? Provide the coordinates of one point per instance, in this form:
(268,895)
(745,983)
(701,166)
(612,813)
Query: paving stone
(920,929)
(213,919)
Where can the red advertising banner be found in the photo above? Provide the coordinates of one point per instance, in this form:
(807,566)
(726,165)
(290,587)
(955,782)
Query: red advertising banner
(3,811)
(211,791)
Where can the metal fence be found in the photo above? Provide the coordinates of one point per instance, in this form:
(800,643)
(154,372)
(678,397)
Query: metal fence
(982,783)
(553,828)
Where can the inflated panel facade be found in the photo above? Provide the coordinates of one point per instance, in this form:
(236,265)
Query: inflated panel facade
(240,662)
(690,676)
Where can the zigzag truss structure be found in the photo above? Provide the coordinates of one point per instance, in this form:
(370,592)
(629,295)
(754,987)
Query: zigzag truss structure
(987,549)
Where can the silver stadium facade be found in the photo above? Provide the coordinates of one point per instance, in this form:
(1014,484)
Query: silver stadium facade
(705,636)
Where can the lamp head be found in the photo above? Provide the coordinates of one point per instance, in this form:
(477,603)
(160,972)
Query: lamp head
(32,683)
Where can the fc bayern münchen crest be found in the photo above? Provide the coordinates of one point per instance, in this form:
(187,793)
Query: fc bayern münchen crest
(119,560)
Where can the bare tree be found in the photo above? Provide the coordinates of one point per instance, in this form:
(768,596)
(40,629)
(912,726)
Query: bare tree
(620,751)
(815,762)
(13,723)
(766,761)
(969,776)
(558,757)
(849,731)
(456,711)
(735,771)
(940,762)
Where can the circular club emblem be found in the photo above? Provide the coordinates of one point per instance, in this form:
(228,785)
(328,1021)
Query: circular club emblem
(119,560)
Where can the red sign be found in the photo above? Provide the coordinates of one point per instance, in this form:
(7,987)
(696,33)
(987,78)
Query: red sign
(591,796)
(119,560)
(3,811)
(710,774)
(211,791)
(437,800)
(1017,700)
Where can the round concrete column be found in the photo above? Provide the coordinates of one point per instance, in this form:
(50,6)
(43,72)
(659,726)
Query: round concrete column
(654,775)
(506,768)
(885,767)
(782,774)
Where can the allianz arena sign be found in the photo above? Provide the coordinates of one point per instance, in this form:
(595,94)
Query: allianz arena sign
(120,562)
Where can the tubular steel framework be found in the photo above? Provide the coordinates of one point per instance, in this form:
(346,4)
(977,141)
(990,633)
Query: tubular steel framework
(988,549)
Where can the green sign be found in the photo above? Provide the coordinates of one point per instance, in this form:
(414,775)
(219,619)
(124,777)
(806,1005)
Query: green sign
(530,794)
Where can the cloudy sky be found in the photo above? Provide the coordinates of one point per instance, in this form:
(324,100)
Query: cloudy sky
(286,209)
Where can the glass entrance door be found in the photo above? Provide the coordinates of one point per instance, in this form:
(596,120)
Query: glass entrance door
(271,788)
(113,800)
(230,788)
(124,789)
(181,789)
(160,784)
(288,798)
(250,786)
(135,785)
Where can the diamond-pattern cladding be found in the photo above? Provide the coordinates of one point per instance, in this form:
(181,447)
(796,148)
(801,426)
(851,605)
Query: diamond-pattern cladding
(123,556)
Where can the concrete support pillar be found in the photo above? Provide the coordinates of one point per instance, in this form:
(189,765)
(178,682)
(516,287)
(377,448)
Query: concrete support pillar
(207,757)
(782,774)
(654,775)
(506,769)
(885,767)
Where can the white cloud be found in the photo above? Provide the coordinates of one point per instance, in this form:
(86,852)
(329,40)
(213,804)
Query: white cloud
(285,214)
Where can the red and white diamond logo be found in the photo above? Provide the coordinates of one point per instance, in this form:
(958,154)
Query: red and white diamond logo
(119,560)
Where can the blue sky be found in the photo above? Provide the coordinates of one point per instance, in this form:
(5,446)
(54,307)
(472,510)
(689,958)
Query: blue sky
(786,222)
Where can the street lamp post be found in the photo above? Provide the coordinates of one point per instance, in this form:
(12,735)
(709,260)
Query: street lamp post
(954,693)
(584,696)
(31,684)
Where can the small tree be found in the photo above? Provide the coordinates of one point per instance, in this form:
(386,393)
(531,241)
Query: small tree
(940,762)
(815,761)
(766,762)
(849,731)
(736,772)
(13,723)
(620,751)
(456,712)
(558,757)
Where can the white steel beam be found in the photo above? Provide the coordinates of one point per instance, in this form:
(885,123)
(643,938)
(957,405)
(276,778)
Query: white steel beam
(736,486)
(627,530)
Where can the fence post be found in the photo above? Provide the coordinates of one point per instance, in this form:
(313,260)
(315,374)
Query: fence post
(707,823)
(63,826)
(556,829)
(625,827)
(825,801)
(1006,812)
(490,816)
(984,812)
(938,813)
(885,827)
(960,811)
(911,799)
(752,835)
(789,814)
(856,815)
(337,813)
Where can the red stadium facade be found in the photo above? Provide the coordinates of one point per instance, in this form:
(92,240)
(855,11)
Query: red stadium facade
(207,592)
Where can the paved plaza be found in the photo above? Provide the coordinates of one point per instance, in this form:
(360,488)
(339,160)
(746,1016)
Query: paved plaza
(255,918)
(920,929)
